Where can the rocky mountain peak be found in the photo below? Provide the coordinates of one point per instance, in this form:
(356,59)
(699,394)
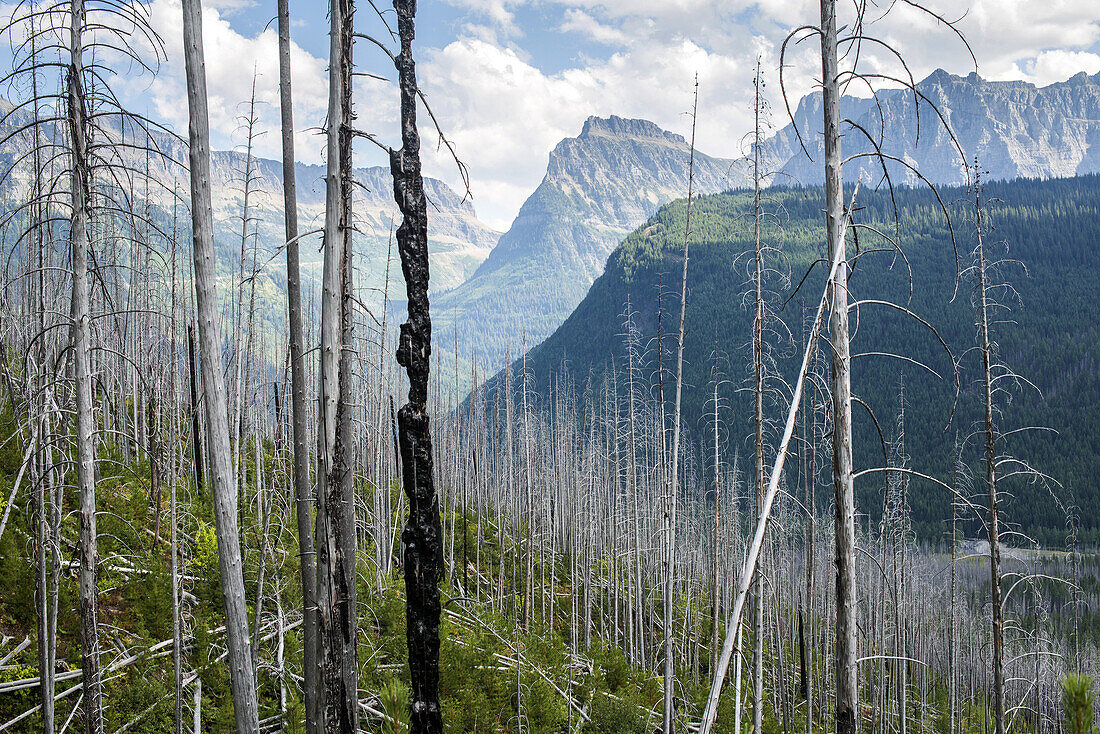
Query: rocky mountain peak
(623,127)
(1014,128)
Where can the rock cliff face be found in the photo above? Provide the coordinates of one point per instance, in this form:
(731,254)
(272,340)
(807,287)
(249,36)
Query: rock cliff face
(1015,129)
(598,187)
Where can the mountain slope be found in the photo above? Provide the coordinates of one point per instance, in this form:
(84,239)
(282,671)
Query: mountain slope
(1015,129)
(458,241)
(1051,226)
(598,186)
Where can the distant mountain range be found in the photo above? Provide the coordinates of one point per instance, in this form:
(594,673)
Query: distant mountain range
(603,183)
(458,240)
(1014,129)
(598,187)
(501,293)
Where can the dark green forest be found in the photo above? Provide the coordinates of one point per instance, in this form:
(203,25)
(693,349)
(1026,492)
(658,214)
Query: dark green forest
(1048,229)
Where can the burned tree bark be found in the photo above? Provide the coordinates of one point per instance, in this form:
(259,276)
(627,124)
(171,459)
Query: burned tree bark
(422,537)
(196,426)
(224,482)
(336,540)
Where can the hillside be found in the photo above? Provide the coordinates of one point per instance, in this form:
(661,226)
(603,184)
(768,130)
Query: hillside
(1050,226)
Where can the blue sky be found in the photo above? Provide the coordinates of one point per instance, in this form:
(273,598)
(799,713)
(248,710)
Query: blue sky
(508,79)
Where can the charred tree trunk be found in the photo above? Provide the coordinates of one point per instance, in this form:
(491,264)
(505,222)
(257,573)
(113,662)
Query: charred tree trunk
(241,677)
(422,536)
(196,427)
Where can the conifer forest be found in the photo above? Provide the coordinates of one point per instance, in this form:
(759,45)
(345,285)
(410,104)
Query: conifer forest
(802,439)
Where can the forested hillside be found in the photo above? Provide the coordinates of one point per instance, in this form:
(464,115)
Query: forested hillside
(1051,227)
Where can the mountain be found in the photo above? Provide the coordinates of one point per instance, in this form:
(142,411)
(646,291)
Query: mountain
(598,187)
(1051,339)
(1015,129)
(458,241)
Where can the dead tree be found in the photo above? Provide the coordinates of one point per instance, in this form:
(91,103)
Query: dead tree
(422,536)
(336,538)
(674,484)
(82,375)
(847,686)
(997,380)
(223,480)
(302,488)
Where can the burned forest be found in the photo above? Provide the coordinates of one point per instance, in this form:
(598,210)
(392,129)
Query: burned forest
(799,436)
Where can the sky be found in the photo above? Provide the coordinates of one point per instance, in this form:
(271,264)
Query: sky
(508,79)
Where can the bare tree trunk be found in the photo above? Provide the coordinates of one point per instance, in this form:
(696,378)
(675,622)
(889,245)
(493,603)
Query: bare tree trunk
(717,526)
(336,539)
(952,692)
(990,475)
(847,684)
(173,508)
(674,485)
(422,535)
(224,482)
(302,489)
(43,540)
(196,423)
(80,336)
(758,421)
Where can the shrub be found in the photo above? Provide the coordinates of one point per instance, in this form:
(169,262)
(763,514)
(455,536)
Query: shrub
(1078,702)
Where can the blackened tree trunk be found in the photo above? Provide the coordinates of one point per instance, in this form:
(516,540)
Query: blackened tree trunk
(422,537)
(196,426)
(302,489)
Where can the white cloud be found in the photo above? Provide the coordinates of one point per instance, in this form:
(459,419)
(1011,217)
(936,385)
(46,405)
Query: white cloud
(1058,65)
(628,57)
(578,21)
(231,59)
(505,113)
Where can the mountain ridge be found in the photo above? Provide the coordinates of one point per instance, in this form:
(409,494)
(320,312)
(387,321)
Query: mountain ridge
(1015,129)
(597,187)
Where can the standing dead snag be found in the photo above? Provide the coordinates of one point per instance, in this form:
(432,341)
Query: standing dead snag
(302,490)
(847,684)
(82,376)
(223,480)
(336,539)
(422,536)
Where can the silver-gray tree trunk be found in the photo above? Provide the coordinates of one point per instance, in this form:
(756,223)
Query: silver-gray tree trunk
(80,336)
(336,537)
(843,501)
(223,480)
(302,489)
